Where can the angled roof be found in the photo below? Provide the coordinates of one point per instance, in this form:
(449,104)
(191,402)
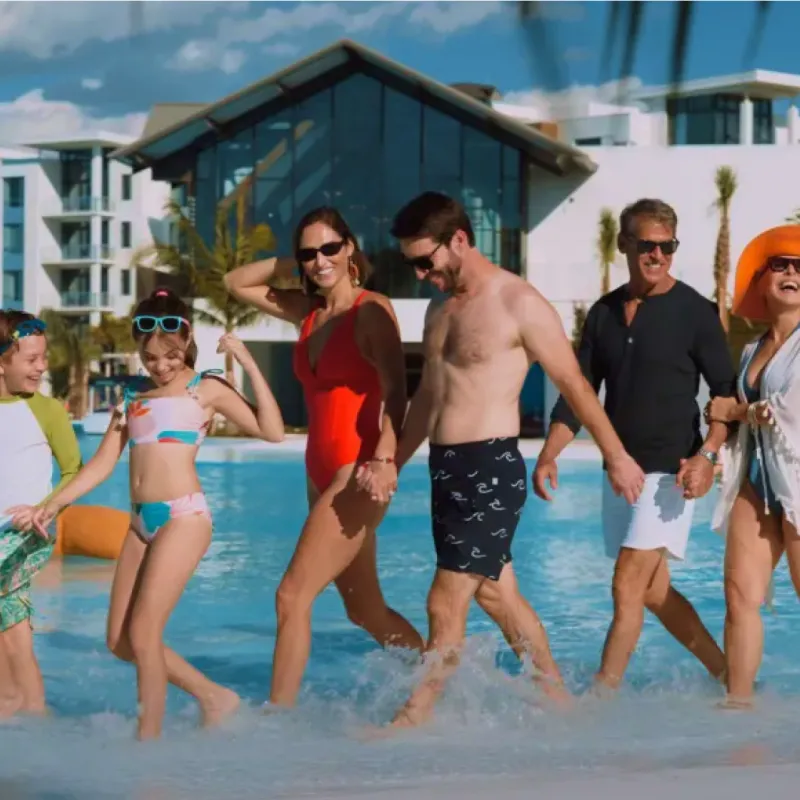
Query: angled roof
(164,115)
(163,142)
(757,83)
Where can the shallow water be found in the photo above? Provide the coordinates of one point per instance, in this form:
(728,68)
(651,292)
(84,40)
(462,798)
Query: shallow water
(489,724)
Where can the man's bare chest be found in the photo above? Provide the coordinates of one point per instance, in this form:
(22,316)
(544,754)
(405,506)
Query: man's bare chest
(467,337)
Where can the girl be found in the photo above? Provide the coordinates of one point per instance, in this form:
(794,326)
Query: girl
(33,429)
(350,362)
(170,520)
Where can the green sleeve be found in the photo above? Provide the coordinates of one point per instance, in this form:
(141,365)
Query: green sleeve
(57,427)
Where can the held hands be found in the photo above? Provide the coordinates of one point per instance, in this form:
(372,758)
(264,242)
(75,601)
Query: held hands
(30,518)
(231,344)
(695,476)
(626,477)
(379,479)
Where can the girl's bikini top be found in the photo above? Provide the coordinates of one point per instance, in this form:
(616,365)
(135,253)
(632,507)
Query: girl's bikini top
(172,420)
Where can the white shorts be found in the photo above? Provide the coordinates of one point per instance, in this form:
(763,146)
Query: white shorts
(659,520)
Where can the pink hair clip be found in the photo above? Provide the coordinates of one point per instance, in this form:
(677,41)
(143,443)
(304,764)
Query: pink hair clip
(162,293)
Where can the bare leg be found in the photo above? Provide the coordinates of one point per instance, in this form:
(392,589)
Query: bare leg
(215,701)
(363,599)
(448,606)
(331,538)
(18,645)
(791,541)
(10,695)
(679,617)
(633,574)
(752,550)
(522,629)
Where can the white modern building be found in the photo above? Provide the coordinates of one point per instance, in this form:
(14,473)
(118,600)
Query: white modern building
(72,218)
(351,128)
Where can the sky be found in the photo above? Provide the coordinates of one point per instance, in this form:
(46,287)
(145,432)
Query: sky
(74,67)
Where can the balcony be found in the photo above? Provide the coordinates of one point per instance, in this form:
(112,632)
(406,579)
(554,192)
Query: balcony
(82,301)
(77,253)
(76,206)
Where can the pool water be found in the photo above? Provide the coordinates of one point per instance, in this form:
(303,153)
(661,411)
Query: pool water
(488,723)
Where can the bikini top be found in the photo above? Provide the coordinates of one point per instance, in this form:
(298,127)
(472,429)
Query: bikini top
(169,420)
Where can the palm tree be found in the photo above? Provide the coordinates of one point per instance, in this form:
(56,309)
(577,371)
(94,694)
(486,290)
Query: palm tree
(795,218)
(726,183)
(71,353)
(204,267)
(579,313)
(114,336)
(606,247)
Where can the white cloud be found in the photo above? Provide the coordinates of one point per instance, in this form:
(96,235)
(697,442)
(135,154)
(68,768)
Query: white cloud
(573,101)
(31,118)
(450,17)
(47,29)
(232,61)
(276,26)
(203,54)
(92,84)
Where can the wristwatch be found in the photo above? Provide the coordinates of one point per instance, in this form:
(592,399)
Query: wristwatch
(712,457)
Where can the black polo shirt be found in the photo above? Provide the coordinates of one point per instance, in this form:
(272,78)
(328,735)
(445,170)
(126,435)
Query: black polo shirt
(652,371)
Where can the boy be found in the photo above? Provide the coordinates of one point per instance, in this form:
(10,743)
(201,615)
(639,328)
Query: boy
(33,429)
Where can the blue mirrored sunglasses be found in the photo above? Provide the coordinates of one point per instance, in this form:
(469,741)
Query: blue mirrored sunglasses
(27,327)
(146,323)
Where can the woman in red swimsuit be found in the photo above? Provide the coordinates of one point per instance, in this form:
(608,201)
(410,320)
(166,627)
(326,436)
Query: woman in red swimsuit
(350,362)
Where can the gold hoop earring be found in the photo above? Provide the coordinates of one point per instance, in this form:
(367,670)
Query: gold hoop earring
(353,270)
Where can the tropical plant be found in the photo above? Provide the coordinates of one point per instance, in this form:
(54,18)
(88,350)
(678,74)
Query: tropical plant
(114,336)
(607,231)
(579,314)
(204,267)
(726,183)
(71,354)
(795,218)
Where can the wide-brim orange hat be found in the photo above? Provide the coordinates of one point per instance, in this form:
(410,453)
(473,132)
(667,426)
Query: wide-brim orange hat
(748,302)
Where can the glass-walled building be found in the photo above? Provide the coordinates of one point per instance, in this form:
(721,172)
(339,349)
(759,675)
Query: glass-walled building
(349,128)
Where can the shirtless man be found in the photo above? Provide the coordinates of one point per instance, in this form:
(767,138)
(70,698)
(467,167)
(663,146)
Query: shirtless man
(479,345)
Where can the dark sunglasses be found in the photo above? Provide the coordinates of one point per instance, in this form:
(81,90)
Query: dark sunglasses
(647,246)
(422,263)
(329,249)
(782,264)
(28,327)
(146,323)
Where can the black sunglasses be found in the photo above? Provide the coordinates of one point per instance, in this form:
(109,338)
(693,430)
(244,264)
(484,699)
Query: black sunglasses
(782,263)
(422,263)
(329,249)
(647,246)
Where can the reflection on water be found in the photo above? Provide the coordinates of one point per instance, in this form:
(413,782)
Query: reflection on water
(490,724)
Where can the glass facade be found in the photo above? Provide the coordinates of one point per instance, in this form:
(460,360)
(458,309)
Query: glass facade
(706,119)
(13,192)
(366,149)
(763,122)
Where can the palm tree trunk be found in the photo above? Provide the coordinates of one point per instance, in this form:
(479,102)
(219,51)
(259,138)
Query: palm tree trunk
(722,268)
(605,279)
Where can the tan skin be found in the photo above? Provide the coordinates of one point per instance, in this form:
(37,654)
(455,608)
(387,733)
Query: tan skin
(641,577)
(338,541)
(479,345)
(150,577)
(21,684)
(755,541)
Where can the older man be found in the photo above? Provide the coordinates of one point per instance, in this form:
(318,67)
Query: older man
(649,341)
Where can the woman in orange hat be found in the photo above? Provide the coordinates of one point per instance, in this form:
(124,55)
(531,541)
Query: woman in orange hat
(759,505)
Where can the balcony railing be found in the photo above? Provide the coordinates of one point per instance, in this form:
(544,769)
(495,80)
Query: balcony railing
(77,204)
(77,252)
(73,299)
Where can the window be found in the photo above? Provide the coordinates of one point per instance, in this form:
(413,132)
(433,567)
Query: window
(125,234)
(76,174)
(705,119)
(105,232)
(589,141)
(365,149)
(12,238)
(14,192)
(125,282)
(763,124)
(12,287)
(127,187)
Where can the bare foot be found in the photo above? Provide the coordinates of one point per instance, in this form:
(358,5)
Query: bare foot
(735,704)
(556,693)
(219,706)
(10,706)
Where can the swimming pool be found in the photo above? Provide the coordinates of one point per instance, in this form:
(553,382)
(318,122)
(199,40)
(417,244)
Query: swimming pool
(486,727)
